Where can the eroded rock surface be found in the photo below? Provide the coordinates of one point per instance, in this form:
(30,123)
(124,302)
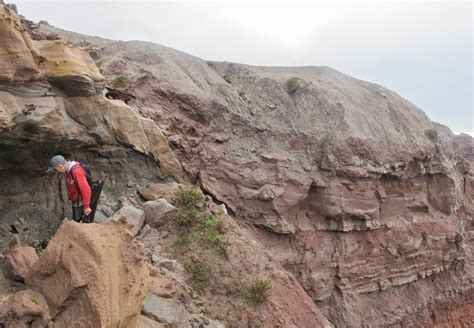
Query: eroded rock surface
(358,202)
(18,260)
(355,201)
(133,217)
(89,276)
(26,308)
(158,212)
(51,101)
(168,310)
(228,268)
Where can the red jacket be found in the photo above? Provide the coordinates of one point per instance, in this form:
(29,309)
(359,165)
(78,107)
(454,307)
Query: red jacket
(77,186)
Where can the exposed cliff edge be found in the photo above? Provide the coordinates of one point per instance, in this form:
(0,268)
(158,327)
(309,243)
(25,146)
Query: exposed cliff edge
(51,101)
(349,187)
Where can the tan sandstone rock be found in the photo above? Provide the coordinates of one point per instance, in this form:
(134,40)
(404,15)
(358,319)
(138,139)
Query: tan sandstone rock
(26,308)
(158,212)
(134,217)
(92,276)
(155,191)
(17,60)
(18,260)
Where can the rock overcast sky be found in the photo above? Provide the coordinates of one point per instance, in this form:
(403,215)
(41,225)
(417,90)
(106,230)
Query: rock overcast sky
(421,50)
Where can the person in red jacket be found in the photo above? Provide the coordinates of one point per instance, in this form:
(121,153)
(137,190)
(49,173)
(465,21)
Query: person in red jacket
(78,188)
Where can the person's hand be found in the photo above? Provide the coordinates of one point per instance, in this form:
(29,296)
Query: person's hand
(87,211)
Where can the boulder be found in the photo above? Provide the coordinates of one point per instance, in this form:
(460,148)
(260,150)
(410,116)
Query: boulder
(158,212)
(26,308)
(100,217)
(18,260)
(92,275)
(134,217)
(160,190)
(169,311)
(144,322)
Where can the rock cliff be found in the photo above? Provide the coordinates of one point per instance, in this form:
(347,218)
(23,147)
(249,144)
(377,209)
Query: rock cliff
(353,190)
(371,213)
(51,101)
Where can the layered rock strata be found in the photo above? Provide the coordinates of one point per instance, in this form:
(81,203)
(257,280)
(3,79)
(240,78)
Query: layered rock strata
(239,261)
(337,177)
(52,101)
(353,196)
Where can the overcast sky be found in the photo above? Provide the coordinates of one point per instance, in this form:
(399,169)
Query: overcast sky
(421,50)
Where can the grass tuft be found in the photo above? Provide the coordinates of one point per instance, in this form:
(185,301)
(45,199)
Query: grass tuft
(4,321)
(120,81)
(242,95)
(258,290)
(182,242)
(201,275)
(144,71)
(432,134)
(226,78)
(189,196)
(294,84)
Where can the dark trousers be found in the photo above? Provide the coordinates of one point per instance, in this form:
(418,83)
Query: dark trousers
(78,210)
(77,213)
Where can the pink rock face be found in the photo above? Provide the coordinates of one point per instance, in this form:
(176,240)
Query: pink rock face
(286,304)
(18,260)
(372,218)
(369,211)
(352,197)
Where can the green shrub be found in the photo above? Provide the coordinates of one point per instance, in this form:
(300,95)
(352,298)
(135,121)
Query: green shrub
(294,84)
(182,242)
(188,196)
(221,251)
(226,78)
(236,289)
(258,290)
(210,223)
(4,320)
(120,81)
(431,134)
(186,216)
(34,300)
(201,232)
(144,71)
(207,232)
(204,233)
(99,63)
(242,94)
(201,274)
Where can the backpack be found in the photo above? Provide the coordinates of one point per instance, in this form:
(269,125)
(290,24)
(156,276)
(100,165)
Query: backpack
(86,169)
